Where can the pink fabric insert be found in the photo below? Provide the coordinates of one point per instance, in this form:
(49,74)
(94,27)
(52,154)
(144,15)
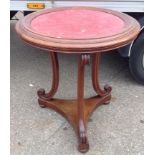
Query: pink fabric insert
(77,24)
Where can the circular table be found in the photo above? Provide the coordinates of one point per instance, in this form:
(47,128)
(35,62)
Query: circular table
(85,31)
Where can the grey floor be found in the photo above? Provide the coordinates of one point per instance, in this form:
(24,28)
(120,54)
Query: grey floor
(114,129)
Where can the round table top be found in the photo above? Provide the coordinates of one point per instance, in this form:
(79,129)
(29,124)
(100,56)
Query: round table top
(78,29)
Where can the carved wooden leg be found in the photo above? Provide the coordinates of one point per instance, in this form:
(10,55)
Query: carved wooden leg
(55,72)
(76,111)
(81,124)
(95,67)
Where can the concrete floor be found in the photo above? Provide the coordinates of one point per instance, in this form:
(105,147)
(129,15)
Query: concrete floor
(114,129)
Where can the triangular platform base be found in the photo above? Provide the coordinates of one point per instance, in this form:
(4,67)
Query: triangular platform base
(69,110)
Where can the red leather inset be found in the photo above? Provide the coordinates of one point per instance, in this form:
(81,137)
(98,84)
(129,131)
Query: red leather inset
(77,24)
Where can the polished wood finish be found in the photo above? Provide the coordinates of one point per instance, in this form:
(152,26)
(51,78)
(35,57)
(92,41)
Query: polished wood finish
(95,65)
(77,111)
(55,69)
(125,36)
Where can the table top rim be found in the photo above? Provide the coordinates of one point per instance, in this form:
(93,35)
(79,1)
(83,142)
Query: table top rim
(126,35)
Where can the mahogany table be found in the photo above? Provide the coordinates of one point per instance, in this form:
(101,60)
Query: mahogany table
(85,31)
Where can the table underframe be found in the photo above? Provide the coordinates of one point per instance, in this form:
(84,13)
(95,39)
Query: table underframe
(76,111)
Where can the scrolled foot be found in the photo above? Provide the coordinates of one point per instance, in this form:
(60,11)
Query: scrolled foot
(41,93)
(83,147)
(107,88)
(83,141)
